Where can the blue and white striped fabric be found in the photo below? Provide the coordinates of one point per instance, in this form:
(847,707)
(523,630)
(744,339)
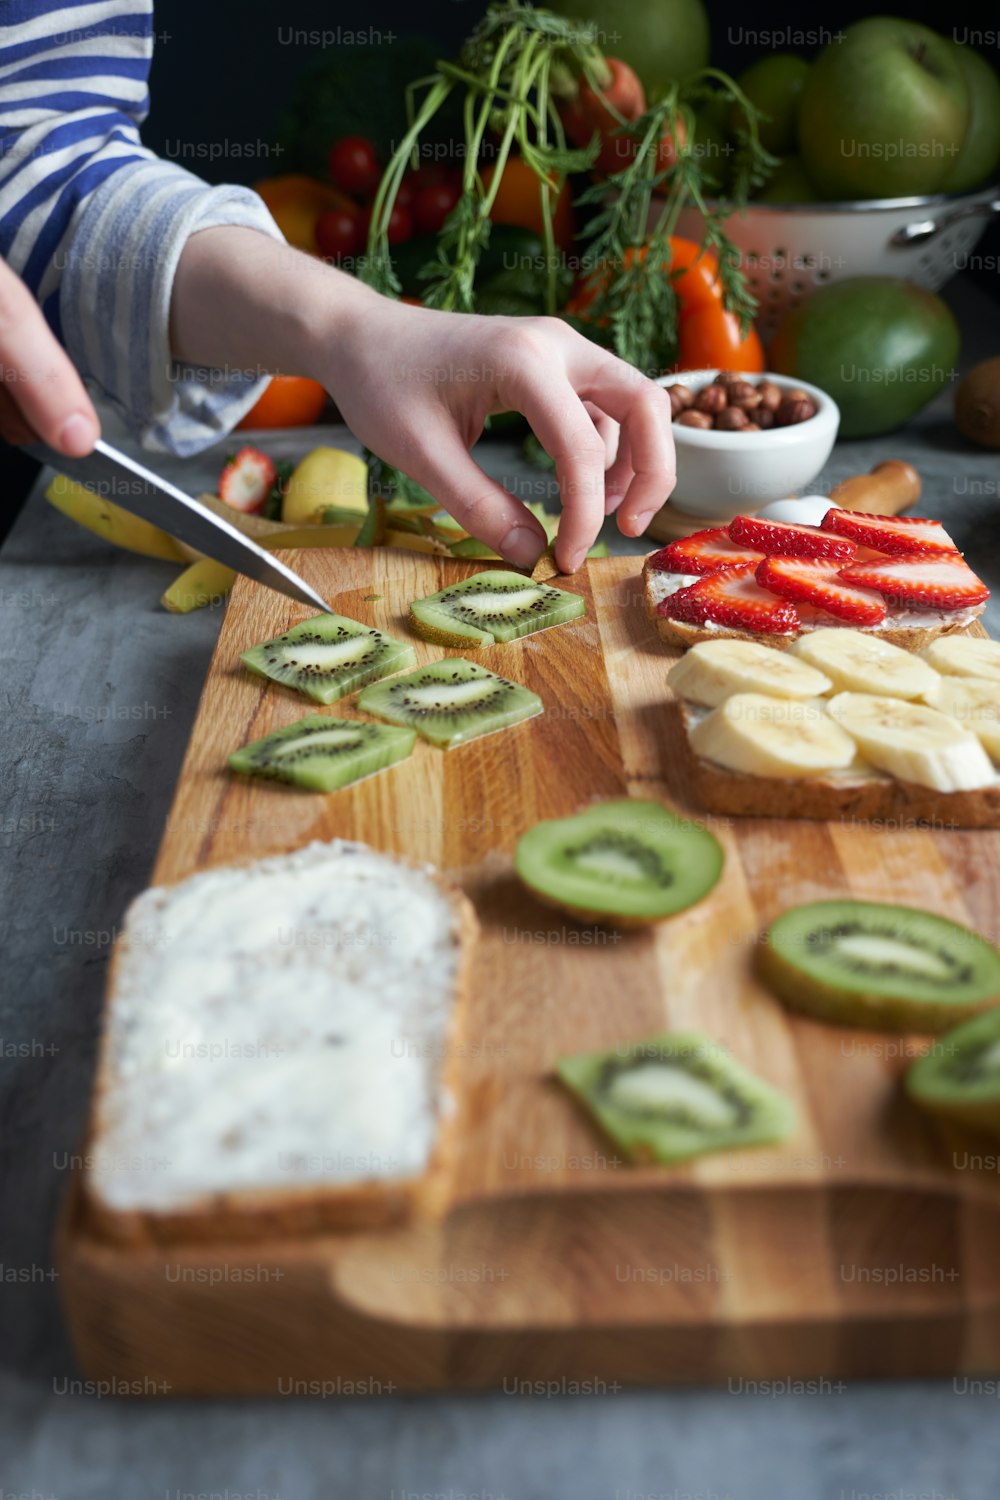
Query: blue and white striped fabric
(95,223)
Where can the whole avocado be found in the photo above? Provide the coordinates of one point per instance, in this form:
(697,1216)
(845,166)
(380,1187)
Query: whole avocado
(665,41)
(882,348)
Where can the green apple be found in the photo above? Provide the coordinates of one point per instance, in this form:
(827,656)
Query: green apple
(883,112)
(979,156)
(788,183)
(665,41)
(774,85)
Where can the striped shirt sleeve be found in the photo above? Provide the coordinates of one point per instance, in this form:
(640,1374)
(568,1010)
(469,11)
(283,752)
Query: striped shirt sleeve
(95,223)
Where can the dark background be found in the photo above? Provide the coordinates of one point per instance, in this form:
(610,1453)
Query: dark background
(221,74)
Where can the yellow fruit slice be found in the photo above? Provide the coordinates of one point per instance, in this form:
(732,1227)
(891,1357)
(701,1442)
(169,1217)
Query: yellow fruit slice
(326,476)
(107,520)
(201,584)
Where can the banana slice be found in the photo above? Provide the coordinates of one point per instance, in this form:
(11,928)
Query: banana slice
(765,736)
(975,703)
(964,656)
(861,663)
(713,671)
(913,743)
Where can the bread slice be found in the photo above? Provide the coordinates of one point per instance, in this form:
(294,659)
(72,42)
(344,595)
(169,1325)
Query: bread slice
(910,633)
(279,1050)
(864,797)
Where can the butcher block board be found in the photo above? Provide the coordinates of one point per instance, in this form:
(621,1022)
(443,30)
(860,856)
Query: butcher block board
(867,1244)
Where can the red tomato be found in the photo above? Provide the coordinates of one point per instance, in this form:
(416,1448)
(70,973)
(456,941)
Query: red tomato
(354,166)
(407,192)
(432,206)
(338,233)
(400,226)
(710,340)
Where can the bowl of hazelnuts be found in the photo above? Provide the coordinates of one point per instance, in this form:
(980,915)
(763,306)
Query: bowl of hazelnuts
(745,440)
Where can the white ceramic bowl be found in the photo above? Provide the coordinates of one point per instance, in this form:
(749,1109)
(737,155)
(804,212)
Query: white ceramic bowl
(726,474)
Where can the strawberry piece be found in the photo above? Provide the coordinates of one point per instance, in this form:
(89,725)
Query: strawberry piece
(815,581)
(247,480)
(731,597)
(921,581)
(895,535)
(789,539)
(703,552)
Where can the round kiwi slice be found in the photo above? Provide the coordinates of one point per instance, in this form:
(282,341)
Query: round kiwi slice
(960,1076)
(676,1096)
(628,862)
(895,968)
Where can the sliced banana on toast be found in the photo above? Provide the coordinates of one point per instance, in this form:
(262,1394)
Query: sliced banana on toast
(975,703)
(913,742)
(713,671)
(767,736)
(860,663)
(965,656)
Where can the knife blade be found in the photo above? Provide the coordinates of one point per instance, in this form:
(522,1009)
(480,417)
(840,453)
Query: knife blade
(116,477)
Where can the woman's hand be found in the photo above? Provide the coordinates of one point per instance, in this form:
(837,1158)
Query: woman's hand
(416,387)
(41,395)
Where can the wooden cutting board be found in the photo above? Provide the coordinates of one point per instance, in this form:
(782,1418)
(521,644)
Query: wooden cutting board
(869,1243)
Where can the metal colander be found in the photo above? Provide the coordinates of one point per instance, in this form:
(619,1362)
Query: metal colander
(790,249)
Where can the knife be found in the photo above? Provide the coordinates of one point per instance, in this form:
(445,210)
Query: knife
(115,476)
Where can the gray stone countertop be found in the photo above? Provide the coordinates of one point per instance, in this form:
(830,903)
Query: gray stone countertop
(100,689)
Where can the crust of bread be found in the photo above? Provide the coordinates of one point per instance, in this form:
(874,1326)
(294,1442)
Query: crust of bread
(880,800)
(312,1208)
(678,633)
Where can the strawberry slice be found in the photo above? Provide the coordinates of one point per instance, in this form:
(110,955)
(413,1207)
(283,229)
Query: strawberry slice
(789,539)
(815,581)
(703,552)
(247,480)
(896,535)
(942,581)
(731,597)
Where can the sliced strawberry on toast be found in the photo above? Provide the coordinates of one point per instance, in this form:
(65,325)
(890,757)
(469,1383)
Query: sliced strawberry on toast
(703,552)
(731,597)
(894,535)
(942,580)
(816,581)
(789,539)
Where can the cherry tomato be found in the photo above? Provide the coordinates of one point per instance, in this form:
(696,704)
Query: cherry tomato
(432,205)
(407,191)
(710,340)
(338,234)
(354,166)
(400,225)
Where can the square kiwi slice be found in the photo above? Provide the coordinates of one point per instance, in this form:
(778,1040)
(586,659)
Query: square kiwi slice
(451,701)
(328,657)
(492,606)
(323,753)
(675,1096)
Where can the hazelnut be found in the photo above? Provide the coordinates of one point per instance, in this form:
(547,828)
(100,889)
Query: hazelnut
(763,417)
(726,377)
(712,399)
(791,411)
(692,418)
(751,427)
(681,397)
(731,420)
(796,394)
(770,395)
(742,393)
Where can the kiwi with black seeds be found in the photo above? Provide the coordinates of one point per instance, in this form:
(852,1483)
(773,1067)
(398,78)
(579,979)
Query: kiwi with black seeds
(959,1077)
(628,862)
(675,1096)
(451,701)
(894,968)
(329,656)
(492,606)
(323,754)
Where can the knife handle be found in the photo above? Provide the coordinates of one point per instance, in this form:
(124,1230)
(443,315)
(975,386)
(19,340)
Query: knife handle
(891,486)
